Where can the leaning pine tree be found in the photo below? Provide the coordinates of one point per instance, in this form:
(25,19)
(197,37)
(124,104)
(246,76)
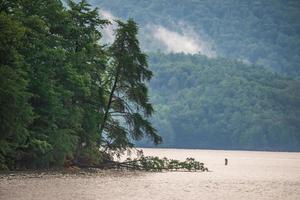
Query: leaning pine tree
(127,107)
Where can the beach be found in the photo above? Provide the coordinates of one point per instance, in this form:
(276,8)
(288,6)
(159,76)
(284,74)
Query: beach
(248,175)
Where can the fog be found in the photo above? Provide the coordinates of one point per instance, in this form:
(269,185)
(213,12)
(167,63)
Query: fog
(186,40)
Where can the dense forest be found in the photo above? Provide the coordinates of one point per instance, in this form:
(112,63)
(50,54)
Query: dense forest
(66,91)
(259,31)
(223,104)
(63,94)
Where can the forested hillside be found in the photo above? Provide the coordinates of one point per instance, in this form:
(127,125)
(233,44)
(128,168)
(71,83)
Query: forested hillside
(223,104)
(261,32)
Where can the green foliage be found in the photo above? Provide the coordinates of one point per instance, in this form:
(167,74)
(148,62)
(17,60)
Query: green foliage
(52,83)
(15,111)
(154,163)
(128,104)
(223,104)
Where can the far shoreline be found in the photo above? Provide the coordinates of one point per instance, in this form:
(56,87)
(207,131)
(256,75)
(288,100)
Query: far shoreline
(204,149)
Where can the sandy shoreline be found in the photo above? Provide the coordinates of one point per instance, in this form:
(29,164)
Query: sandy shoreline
(249,175)
(128,185)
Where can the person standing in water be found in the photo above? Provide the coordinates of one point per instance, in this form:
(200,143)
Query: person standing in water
(226,161)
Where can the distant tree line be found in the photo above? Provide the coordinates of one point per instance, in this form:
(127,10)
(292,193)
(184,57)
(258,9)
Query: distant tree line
(63,94)
(223,104)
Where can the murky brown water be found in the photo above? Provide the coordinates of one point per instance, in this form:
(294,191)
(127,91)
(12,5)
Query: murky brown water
(249,175)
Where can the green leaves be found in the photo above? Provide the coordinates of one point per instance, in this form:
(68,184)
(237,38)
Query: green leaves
(128,103)
(156,164)
(15,111)
(59,85)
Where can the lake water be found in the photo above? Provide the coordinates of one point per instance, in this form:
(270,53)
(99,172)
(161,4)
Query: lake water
(248,175)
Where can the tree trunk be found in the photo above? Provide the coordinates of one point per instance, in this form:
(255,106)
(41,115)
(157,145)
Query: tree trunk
(108,105)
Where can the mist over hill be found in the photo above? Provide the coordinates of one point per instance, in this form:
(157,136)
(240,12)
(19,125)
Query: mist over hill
(260,32)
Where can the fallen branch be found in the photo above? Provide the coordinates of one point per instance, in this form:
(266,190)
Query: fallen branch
(150,163)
